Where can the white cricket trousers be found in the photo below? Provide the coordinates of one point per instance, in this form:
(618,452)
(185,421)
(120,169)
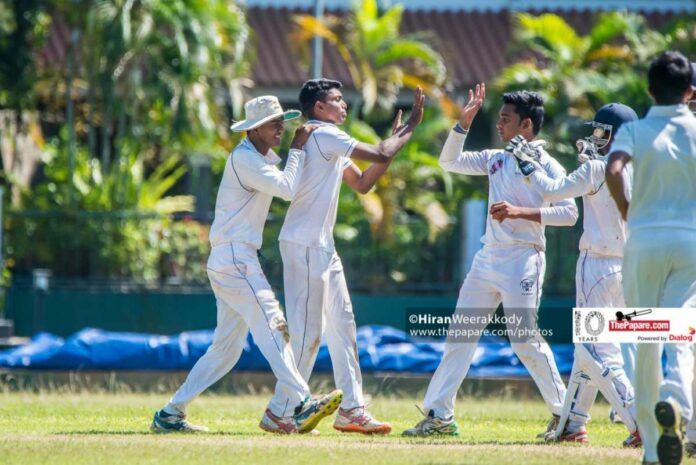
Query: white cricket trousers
(317,303)
(659,271)
(598,284)
(677,372)
(245,301)
(512,275)
(691,426)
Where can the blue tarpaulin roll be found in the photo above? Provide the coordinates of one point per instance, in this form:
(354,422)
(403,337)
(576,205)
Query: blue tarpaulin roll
(381,349)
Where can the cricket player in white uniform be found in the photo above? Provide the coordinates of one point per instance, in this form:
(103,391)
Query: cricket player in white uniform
(316,295)
(690,446)
(660,254)
(597,276)
(510,266)
(245,300)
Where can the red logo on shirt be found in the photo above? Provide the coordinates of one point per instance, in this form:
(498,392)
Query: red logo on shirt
(498,164)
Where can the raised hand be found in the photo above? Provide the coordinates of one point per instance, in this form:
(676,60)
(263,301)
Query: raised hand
(417,109)
(416,114)
(469,111)
(302,135)
(396,125)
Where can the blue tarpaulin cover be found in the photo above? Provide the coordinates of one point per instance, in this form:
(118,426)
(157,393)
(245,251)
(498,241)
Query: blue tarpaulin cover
(381,348)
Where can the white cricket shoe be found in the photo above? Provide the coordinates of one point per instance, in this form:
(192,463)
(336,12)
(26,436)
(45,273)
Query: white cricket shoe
(312,411)
(359,420)
(274,424)
(633,440)
(579,436)
(164,422)
(432,425)
(550,428)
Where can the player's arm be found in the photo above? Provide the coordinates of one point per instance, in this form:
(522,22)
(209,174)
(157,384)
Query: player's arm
(615,180)
(622,150)
(363,181)
(385,151)
(452,156)
(562,212)
(580,182)
(254,173)
(502,211)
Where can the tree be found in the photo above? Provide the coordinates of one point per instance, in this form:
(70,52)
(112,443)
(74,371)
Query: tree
(577,74)
(140,90)
(381,60)
(153,70)
(23,26)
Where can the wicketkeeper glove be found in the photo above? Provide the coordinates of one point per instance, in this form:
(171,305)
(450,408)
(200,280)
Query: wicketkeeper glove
(527,157)
(586,150)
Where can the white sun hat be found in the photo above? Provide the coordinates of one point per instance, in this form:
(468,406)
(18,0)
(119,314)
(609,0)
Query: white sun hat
(261,110)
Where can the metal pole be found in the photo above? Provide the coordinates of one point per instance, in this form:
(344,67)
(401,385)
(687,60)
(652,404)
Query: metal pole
(318,42)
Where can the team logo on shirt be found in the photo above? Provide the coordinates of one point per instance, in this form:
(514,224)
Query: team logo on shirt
(495,166)
(527,286)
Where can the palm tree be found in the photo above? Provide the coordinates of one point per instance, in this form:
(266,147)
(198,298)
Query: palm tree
(379,58)
(382,62)
(151,71)
(144,78)
(578,73)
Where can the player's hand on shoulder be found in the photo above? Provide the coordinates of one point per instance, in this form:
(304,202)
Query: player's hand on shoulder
(302,135)
(472,107)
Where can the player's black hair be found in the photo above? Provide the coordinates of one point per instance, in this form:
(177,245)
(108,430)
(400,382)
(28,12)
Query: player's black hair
(313,91)
(669,77)
(528,105)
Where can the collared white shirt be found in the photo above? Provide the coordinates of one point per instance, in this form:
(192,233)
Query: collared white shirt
(604,231)
(249,183)
(662,147)
(311,217)
(506,183)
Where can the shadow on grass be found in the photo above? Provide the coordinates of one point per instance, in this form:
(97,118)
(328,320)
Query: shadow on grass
(96,432)
(461,442)
(391,440)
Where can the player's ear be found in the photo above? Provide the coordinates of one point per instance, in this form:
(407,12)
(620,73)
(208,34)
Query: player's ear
(526,124)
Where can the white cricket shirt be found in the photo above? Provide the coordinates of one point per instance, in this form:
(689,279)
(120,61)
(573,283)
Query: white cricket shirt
(604,231)
(506,183)
(249,183)
(311,216)
(662,147)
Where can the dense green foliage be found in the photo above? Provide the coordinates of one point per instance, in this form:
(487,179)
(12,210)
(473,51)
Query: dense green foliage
(98,148)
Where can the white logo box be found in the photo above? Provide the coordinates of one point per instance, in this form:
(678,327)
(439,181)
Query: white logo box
(634,325)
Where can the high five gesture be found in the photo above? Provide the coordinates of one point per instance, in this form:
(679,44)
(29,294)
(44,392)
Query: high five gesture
(469,111)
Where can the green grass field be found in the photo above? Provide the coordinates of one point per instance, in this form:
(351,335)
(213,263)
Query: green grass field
(107,429)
